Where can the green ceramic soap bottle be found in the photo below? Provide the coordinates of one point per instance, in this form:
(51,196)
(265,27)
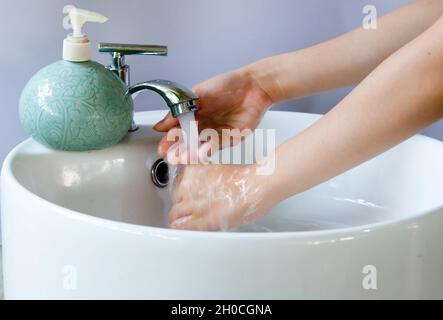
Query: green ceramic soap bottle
(76,104)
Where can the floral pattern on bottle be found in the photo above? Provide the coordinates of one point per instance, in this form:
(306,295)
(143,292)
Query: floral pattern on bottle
(76,106)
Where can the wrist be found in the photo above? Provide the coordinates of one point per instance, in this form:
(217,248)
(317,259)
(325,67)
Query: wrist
(262,179)
(254,196)
(277,184)
(263,74)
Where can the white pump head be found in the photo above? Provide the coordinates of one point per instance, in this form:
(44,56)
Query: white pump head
(76,46)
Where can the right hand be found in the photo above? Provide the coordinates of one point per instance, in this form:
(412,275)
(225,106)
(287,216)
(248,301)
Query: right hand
(218,197)
(233,100)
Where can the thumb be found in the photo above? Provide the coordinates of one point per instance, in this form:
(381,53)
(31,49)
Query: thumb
(166,123)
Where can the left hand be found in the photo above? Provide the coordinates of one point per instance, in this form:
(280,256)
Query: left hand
(217,197)
(234,100)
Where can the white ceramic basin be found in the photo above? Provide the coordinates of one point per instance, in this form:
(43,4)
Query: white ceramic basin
(92,225)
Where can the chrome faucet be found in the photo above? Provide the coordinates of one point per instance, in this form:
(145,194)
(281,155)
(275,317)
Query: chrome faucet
(178,98)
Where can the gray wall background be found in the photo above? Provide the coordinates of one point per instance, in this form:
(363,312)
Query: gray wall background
(205,37)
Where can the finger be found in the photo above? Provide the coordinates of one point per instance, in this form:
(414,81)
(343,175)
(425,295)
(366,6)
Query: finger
(197,90)
(164,146)
(178,213)
(196,224)
(173,136)
(173,155)
(178,154)
(204,153)
(180,223)
(166,123)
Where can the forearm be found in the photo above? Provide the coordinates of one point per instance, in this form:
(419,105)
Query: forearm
(401,97)
(346,60)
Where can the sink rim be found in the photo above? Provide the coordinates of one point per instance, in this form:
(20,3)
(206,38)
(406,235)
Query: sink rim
(145,230)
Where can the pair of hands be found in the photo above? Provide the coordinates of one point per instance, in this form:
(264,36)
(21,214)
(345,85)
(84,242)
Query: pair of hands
(214,197)
(390,82)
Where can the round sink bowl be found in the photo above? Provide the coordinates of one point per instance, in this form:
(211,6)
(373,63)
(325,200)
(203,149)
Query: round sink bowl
(93,225)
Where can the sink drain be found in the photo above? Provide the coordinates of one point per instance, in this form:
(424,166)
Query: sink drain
(160,173)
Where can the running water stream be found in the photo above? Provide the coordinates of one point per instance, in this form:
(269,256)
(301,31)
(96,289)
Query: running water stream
(190,131)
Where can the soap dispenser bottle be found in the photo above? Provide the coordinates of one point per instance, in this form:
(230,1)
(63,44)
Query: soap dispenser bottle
(76,104)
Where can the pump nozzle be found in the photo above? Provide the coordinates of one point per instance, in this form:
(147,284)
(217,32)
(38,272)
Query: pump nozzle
(76,46)
(76,18)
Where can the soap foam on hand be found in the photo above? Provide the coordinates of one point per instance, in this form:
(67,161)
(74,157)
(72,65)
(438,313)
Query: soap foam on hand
(228,186)
(215,197)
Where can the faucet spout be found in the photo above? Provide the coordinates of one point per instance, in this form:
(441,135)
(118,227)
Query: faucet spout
(178,98)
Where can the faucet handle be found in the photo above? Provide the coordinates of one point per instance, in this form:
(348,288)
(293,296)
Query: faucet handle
(119,50)
(129,49)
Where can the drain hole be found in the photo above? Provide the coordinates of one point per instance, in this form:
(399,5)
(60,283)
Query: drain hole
(160,173)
